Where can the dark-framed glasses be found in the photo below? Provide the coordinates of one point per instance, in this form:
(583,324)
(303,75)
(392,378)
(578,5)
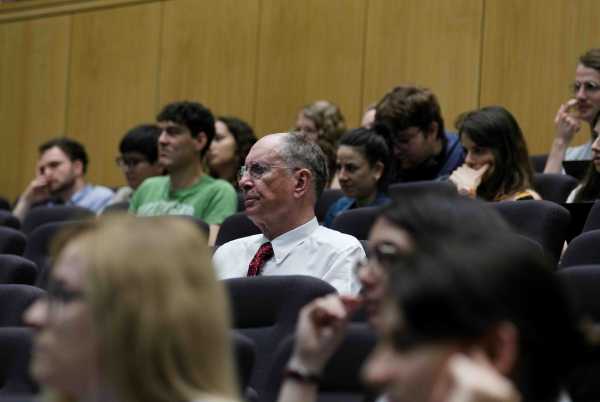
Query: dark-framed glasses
(379,256)
(128,162)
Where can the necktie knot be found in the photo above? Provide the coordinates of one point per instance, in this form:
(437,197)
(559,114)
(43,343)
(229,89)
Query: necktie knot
(264,253)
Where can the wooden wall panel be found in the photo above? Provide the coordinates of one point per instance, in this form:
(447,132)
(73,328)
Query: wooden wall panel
(33,76)
(309,50)
(113,81)
(209,54)
(430,43)
(529,57)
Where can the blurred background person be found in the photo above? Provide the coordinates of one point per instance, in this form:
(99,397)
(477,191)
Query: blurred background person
(581,108)
(321,119)
(362,169)
(497,166)
(323,122)
(122,322)
(138,159)
(589,189)
(228,150)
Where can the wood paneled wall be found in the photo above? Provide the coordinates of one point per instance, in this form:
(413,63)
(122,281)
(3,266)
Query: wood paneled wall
(92,69)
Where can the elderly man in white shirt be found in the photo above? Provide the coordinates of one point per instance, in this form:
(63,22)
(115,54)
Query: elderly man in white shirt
(281,180)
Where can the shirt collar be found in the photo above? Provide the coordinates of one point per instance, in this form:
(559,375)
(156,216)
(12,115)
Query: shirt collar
(285,243)
(78,196)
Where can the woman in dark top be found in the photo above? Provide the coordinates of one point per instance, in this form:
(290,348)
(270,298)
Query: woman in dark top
(362,167)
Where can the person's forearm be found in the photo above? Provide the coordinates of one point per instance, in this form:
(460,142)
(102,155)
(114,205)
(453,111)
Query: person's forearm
(297,391)
(21,208)
(556,156)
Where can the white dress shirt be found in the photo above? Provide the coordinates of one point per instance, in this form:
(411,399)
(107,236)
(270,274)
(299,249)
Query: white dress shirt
(309,249)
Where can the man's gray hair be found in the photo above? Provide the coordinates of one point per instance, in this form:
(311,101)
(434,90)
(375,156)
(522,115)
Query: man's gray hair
(297,152)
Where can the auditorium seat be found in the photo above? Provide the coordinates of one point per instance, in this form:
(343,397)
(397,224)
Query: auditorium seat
(592,221)
(582,250)
(17,270)
(341,379)
(266,309)
(554,187)
(8,219)
(538,162)
(443,188)
(235,226)
(41,215)
(14,300)
(356,222)
(12,241)
(543,221)
(582,283)
(325,201)
(15,355)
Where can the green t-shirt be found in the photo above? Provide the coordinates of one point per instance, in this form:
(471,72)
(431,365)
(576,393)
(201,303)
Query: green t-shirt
(209,199)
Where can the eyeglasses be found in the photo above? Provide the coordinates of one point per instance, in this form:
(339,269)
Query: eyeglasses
(257,170)
(588,86)
(128,162)
(384,253)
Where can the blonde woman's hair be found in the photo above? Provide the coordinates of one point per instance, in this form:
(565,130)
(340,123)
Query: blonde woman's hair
(161,316)
(328,119)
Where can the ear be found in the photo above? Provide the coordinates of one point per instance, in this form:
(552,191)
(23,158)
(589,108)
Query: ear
(378,170)
(78,167)
(303,182)
(502,347)
(201,141)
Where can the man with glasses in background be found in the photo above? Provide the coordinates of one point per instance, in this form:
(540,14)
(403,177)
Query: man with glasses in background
(186,131)
(580,109)
(410,119)
(138,159)
(283,176)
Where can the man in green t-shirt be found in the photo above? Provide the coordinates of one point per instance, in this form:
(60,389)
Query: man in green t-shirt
(187,129)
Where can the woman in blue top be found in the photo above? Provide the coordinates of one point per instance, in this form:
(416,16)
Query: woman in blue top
(362,167)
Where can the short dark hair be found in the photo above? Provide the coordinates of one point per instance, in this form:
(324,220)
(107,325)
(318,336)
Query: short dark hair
(495,128)
(591,59)
(408,106)
(242,133)
(142,139)
(461,291)
(431,219)
(193,115)
(373,148)
(297,152)
(73,149)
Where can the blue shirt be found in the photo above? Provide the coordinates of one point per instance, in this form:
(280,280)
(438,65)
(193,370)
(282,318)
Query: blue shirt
(91,197)
(346,203)
(436,167)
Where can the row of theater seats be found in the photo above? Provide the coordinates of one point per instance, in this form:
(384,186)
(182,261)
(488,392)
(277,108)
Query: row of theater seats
(265,312)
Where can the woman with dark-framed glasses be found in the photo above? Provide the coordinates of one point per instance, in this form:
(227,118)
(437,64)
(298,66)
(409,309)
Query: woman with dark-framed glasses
(122,321)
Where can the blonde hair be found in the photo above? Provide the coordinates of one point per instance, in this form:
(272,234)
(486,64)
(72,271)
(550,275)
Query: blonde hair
(328,119)
(161,316)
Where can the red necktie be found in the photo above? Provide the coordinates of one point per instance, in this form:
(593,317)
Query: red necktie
(262,255)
